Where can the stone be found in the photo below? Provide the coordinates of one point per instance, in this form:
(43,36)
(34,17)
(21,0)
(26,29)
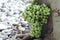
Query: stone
(3,26)
(11,18)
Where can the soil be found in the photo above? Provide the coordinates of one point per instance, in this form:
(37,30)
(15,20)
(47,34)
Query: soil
(47,29)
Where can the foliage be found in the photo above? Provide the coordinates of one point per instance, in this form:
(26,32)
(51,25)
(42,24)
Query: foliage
(44,13)
(37,16)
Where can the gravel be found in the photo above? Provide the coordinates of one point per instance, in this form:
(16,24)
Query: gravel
(11,13)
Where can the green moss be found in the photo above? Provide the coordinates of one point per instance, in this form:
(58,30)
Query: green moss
(37,16)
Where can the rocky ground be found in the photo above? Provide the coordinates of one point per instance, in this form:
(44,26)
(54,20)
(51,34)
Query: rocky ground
(11,19)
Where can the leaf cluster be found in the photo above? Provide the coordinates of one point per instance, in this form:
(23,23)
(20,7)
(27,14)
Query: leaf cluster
(37,16)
